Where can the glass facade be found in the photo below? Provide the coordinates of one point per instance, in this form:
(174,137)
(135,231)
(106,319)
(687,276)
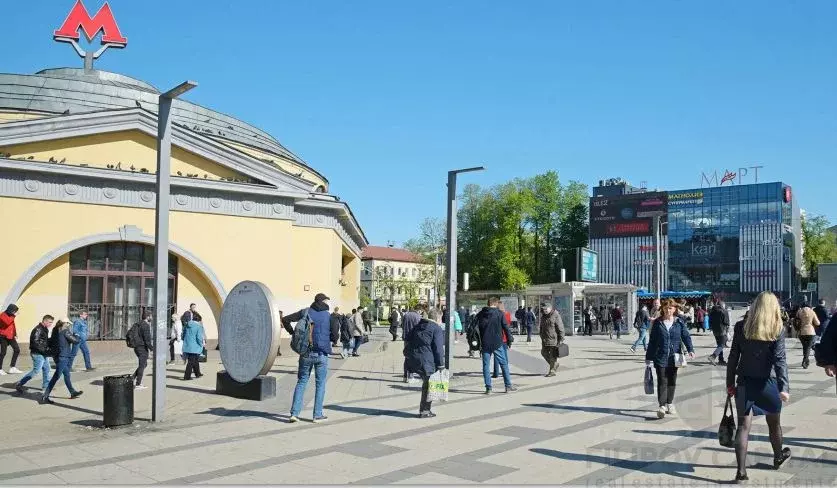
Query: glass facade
(705,228)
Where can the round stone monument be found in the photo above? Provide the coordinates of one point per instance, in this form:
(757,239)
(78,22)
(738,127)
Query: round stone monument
(248,332)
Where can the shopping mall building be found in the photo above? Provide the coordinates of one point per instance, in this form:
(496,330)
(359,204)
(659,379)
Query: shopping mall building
(734,240)
(77,191)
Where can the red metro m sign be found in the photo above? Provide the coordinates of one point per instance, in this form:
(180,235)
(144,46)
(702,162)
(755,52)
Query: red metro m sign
(79,21)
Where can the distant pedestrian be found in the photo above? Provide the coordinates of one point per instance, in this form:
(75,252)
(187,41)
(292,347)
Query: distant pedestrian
(642,321)
(492,328)
(39,351)
(347,325)
(334,321)
(823,316)
(472,335)
(552,335)
(142,342)
(367,320)
(357,333)
(316,358)
(424,349)
(81,329)
(806,322)
(62,340)
(589,317)
(700,314)
(194,340)
(719,323)
(529,319)
(519,319)
(507,339)
(394,323)
(616,322)
(457,328)
(175,334)
(668,334)
(408,321)
(758,358)
(8,338)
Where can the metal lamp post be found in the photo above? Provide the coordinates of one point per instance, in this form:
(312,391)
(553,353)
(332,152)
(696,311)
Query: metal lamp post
(161,248)
(451,261)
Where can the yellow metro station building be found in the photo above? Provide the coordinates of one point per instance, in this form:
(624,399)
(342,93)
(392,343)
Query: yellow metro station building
(77,196)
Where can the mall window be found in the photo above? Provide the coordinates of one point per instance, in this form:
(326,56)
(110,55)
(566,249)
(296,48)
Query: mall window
(114,282)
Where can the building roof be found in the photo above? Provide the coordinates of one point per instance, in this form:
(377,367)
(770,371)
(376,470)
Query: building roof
(385,253)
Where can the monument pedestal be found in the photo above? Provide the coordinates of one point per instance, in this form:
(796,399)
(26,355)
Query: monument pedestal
(259,388)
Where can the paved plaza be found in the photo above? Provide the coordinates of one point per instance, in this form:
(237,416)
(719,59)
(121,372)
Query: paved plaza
(590,425)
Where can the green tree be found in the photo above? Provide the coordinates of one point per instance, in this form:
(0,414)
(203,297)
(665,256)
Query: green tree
(819,243)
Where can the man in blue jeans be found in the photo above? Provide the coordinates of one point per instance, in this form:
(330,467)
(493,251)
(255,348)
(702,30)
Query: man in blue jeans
(39,350)
(81,330)
(492,325)
(64,340)
(316,358)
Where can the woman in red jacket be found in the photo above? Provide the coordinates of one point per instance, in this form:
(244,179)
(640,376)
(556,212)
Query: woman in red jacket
(8,337)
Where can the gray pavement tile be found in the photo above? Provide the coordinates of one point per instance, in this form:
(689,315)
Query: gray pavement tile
(478,472)
(833,411)
(369,450)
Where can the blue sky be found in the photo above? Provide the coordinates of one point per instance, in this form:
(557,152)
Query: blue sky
(384,97)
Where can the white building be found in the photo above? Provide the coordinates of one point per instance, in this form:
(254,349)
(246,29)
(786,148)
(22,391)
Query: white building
(399,277)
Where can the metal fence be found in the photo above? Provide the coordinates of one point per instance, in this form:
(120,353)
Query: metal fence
(110,322)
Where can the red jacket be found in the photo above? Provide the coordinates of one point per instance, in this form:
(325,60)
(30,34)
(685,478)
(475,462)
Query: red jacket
(508,322)
(7,326)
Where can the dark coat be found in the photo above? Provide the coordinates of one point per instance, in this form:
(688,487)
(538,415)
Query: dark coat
(757,359)
(492,324)
(63,339)
(39,340)
(552,329)
(347,325)
(662,344)
(408,321)
(336,320)
(826,351)
(424,348)
(822,314)
(718,320)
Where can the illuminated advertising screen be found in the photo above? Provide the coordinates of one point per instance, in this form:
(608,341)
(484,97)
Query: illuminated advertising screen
(626,215)
(588,264)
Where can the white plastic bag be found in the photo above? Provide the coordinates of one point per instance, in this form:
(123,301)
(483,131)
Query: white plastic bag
(439,386)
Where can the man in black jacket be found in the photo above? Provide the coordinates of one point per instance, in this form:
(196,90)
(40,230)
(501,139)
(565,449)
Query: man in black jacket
(424,354)
(63,339)
(719,324)
(143,343)
(822,315)
(39,350)
(826,351)
(492,325)
(336,319)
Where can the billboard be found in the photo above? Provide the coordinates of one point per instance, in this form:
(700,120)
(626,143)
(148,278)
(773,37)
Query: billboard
(588,264)
(626,215)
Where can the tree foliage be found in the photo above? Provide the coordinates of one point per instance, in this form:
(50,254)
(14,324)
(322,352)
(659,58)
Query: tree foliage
(820,244)
(520,232)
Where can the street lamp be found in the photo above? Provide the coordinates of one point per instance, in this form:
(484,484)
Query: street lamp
(161,248)
(451,261)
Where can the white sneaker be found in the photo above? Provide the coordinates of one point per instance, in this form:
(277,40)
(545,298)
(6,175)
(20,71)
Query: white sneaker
(14,370)
(2,373)
(671,410)
(661,412)
(140,387)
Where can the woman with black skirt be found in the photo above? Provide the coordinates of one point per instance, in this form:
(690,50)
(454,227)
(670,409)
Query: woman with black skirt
(757,358)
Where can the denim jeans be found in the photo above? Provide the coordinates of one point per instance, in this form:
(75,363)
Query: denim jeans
(721,341)
(502,358)
(39,364)
(319,363)
(357,342)
(347,347)
(62,368)
(643,338)
(497,362)
(85,351)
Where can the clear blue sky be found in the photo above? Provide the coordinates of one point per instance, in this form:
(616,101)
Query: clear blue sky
(384,97)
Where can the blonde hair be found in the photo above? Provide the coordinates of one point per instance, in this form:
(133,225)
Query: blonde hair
(764,320)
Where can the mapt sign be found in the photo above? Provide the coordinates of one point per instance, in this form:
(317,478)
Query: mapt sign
(79,20)
(731,177)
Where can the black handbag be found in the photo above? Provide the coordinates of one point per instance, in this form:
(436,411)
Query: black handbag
(563,350)
(364,339)
(726,431)
(202,358)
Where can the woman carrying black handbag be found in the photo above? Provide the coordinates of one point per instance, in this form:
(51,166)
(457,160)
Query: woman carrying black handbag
(757,358)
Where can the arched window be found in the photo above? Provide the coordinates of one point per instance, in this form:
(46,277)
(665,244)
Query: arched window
(114,283)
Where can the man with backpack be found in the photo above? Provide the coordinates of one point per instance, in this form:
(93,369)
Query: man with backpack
(140,340)
(311,339)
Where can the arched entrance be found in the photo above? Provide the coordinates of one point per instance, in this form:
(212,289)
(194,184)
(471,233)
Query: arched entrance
(114,282)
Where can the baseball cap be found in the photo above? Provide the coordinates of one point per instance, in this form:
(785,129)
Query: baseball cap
(321,297)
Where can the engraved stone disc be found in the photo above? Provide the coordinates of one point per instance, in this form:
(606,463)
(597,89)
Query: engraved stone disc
(249,331)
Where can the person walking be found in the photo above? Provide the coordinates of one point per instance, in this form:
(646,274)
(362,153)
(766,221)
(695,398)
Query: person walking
(357,333)
(719,323)
(529,319)
(334,322)
(806,322)
(642,321)
(63,339)
(143,343)
(616,322)
(394,323)
(194,339)
(457,328)
(81,330)
(424,349)
(39,351)
(700,313)
(175,334)
(472,335)
(492,326)
(347,325)
(689,314)
(408,321)
(826,352)
(552,335)
(519,319)
(315,358)
(757,357)
(668,334)
(8,338)
(823,315)
(589,315)
(367,320)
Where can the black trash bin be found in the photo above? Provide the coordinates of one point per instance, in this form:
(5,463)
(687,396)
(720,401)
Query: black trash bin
(119,400)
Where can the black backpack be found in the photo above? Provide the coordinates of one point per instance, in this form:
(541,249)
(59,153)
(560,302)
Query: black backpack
(132,338)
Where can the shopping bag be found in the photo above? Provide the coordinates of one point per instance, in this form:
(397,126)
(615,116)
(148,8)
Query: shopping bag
(563,350)
(364,339)
(680,360)
(202,357)
(649,381)
(439,386)
(726,431)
